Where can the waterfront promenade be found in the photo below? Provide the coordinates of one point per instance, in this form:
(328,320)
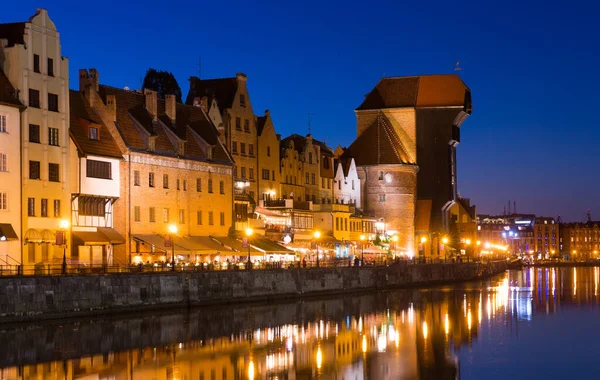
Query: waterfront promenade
(25,298)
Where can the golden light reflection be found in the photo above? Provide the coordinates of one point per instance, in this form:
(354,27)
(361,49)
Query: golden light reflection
(319,358)
(574,282)
(425,330)
(447,324)
(469,319)
(251,370)
(397,339)
(553,280)
(489,307)
(596,281)
(364,344)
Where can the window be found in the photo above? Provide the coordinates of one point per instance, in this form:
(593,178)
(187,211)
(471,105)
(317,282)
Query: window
(136,178)
(178,184)
(243,148)
(345,224)
(238,124)
(36,63)
(265,174)
(251,173)
(3,165)
(53,102)
(251,149)
(152,214)
(268,151)
(34,133)
(329,184)
(184,185)
(242,100)
(181,216)
(243,172)
(44,207)
(339,185)
(222,218)
(221,187)
(210,218)
(151,179)
(313,179)
(307,178)
(165,181)
(199,217)
(199,185)
(310,158)
(352,184)
(234,147)
(53,136)
(34,98)
(247,125)
(165,215)
(57,208)
(380,176)
(30,206)
(210,186)
(323,182)
(34,170)
(3,201)
(136,214)
(53,172)
(50,67)
(3,123)
(337,224)
(102,169)
(235,172)
(273,173)
(94,133)
(381,197)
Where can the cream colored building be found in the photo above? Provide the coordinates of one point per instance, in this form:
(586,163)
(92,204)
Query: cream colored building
(10,173)
(33,62)
(269,177)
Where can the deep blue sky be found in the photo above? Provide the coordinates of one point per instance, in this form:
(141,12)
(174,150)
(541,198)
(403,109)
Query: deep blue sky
(532,67)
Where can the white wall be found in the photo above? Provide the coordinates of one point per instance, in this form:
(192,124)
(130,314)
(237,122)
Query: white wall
(346,194)
(98,186)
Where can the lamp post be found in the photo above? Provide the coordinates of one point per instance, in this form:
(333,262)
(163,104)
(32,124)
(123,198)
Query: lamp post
(444,242)
(64,225)
(317,235)
(173,231)
(362,249)
(249,232)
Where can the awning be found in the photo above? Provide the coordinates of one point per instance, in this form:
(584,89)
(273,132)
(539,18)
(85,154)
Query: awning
(201,244)
(267,212)
(269,247)
(33,236)
(7,232)
(48,236)
(236,245)
(156,244)
(113,236)
(374,249)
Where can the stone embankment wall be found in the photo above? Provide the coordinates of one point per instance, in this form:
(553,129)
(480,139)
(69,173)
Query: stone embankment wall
(28,298)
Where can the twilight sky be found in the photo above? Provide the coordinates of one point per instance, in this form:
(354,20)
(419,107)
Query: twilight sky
(532,67)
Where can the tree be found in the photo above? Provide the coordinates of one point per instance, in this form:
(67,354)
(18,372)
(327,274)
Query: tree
(162,82)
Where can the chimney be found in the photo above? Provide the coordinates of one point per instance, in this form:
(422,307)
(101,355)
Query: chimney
(204,103)
(94,78)
(267,113)
(241,77)
(111,106)
(84,79)
(151,100)
(170,106)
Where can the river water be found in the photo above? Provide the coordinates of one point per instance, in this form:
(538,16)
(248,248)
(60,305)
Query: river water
(537,323)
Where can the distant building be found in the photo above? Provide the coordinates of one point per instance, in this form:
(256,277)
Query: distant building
(580,240)
(269,173)
(346,184)
(546,234)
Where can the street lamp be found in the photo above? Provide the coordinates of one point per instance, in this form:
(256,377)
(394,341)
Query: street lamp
(445,242)
(317,235)
(249,232)
(395,242)
(173,231)
(64,225)
(362,249)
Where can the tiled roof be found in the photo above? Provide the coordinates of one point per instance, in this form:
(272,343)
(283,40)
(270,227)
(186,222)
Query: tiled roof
(300,142)
(378,144)
(191,124)
(8,94)
(82,117)
(222,89)
(418,91)
(345,162)
(13,32)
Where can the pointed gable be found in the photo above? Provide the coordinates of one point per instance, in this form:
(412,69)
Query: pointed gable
(221,89)
(378,144)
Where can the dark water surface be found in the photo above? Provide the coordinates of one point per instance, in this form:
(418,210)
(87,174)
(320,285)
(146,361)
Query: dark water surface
(530,324)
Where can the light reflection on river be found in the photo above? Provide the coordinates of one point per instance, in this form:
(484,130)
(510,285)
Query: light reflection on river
(475,330)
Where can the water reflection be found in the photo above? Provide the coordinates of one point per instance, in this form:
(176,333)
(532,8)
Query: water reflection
(390,335)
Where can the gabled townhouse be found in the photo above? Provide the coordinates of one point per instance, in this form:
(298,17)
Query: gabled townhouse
(95,181)
(346,185)
(33,62)
(10,173)
(269,177)
(175,174)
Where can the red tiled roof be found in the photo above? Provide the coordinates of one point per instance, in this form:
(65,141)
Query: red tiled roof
(13,32)
(8,94)
(378,144)
(135,124)
(419,91)
(223,89)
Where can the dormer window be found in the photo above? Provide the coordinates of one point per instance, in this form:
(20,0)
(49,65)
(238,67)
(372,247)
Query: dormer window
(152,143)
(209,153)
(242,100)
(181,150)
(94,135)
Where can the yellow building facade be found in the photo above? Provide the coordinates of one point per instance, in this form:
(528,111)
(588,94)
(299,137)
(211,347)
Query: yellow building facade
(269,178)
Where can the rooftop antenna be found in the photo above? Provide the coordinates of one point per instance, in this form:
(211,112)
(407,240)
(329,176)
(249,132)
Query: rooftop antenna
(558,219)
(457,66)
(588,216)
(309,120)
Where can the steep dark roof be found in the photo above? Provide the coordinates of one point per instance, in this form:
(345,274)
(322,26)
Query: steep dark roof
(378,144)
(8,94)
(300,142)
(191,124)
(418,91)
(260,124)
(222,89)
(82,116)
(13,32)
(345,162)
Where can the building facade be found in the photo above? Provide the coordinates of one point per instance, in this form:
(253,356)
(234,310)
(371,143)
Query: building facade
(33,62)
(346,184)
(546,234)
(10,173)
(269,177)
(579,240)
